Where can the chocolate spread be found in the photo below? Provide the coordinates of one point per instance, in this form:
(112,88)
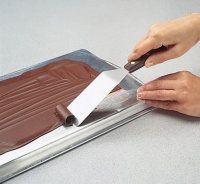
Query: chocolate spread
(28,101)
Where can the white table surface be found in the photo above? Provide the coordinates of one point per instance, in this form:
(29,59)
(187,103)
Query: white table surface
(160,147)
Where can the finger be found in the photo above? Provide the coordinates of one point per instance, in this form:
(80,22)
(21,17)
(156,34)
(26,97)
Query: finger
(158,95)
(144,47)
(133,55)
(141,41)
(171,76)
(147,45)
(168,105)
(160,57)
(159,84)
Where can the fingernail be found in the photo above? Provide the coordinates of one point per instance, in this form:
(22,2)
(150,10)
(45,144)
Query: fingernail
(139,95)
(149,64)
(140,89)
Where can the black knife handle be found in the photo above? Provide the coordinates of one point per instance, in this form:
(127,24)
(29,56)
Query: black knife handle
(140,62)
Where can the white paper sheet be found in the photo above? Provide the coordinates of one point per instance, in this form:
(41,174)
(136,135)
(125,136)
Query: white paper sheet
(48,138)
(91,96)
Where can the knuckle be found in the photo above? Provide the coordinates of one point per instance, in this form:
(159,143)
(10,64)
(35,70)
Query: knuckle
(156,35)
(184,94)
(182,74)
(185,80)
(185,85)
(155,32)
(185,74)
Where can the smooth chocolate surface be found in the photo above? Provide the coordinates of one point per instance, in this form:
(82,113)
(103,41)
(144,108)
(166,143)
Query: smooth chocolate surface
(28,101)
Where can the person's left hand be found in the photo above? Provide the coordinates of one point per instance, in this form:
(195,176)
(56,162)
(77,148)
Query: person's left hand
(178,91)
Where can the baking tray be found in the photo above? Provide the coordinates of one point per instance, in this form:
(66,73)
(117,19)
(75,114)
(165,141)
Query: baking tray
(115,110)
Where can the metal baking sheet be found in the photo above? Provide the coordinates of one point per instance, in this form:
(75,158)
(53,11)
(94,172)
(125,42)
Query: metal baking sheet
(115,110)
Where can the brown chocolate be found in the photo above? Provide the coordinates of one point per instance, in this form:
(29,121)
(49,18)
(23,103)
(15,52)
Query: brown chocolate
(28,101)
(65,115)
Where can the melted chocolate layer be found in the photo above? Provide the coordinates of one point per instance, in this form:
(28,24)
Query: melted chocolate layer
(28,101)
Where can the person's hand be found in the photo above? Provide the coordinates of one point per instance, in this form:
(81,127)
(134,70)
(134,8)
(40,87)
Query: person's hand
(178,91)
(178,36)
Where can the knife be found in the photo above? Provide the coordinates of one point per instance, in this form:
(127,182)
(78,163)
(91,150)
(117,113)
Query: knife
(140,62)
(98,89)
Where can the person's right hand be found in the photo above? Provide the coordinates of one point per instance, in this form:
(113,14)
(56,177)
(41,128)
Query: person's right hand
(178,36)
